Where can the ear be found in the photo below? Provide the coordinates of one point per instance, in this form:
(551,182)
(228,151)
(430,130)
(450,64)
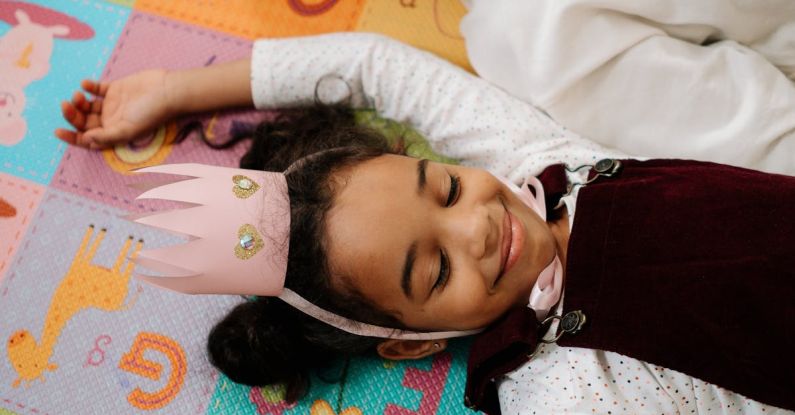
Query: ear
(393,349)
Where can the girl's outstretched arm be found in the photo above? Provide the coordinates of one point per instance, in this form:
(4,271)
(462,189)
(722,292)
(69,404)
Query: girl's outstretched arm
(127,108)
(461,115)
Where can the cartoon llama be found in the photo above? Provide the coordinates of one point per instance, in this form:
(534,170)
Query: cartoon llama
(25,53)
(85,285)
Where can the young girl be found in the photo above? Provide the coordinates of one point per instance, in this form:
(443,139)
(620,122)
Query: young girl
(684,264)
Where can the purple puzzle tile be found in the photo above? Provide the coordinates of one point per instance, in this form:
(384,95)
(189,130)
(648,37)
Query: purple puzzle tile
(79,335)
(154,42)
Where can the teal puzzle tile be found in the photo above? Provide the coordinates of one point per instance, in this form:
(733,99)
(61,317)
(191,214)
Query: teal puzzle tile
(46,48)
(368,384)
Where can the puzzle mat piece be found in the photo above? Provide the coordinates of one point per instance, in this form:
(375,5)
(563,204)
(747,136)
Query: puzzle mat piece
(427,24)
(253,19)
(18,200)
(368,384)
(103,176)
(88,344)
(36,156)
(430,386)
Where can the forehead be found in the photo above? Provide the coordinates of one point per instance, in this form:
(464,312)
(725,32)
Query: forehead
(370,226)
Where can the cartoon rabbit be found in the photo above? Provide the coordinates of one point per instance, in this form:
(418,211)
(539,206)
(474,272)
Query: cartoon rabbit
(25,53)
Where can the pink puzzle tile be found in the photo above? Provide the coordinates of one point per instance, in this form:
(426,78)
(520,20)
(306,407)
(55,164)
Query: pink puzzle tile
(154,42)
(18,200)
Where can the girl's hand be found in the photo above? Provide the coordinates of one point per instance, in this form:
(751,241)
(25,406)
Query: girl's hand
(118,112)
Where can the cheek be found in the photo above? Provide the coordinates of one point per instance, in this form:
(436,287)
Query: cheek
(472,306)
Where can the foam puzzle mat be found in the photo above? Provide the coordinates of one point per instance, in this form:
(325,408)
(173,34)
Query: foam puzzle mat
(77,334)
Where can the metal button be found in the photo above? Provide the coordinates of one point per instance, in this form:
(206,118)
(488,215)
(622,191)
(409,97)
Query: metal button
(607,167)
(572,321)
(603,165)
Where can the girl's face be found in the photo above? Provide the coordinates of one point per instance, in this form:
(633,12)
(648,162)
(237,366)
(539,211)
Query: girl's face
(441,247)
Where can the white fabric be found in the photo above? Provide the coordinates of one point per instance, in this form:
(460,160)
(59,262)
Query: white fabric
(467,118)
(662,78)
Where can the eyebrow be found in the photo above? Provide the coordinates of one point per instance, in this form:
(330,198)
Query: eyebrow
(405,282)
(422,165)
(411,255)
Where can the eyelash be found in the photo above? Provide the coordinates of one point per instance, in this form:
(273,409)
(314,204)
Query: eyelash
(444,267)
(444,270)
(455,190)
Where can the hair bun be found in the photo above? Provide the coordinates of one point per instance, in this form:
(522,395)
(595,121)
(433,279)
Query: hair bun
(256,345)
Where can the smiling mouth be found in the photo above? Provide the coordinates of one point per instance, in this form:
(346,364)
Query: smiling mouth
(505,245)
(512,242)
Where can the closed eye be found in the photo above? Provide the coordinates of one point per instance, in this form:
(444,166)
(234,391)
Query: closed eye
(454,192)
(444,270)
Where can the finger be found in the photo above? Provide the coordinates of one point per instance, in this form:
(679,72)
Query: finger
(83,140)
(106,136)
(95,88)
(93,120)
(96,106)
(79,139)
(69,137)
(97,146)
(83,104)
(80,102)
(73,116)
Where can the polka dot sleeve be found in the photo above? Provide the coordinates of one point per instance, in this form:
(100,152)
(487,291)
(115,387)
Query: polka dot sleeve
(563,380)
(463,116)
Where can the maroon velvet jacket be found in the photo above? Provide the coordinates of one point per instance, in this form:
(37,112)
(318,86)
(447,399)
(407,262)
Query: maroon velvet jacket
(688,265)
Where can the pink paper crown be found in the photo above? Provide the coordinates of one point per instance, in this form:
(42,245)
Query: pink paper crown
(238,225)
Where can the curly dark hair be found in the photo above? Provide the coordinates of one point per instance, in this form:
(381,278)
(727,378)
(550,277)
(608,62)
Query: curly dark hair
(266,341)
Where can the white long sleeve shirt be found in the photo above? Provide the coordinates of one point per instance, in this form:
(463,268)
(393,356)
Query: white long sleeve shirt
(663,78)
(462,116)
(469,119)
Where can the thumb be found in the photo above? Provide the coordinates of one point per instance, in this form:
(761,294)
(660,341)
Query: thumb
(105,136)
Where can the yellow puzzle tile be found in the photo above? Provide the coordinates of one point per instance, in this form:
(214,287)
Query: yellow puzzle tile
(253,19)
(426,24)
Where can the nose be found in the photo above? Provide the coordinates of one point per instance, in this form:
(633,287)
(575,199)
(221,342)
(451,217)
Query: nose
(471,229)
